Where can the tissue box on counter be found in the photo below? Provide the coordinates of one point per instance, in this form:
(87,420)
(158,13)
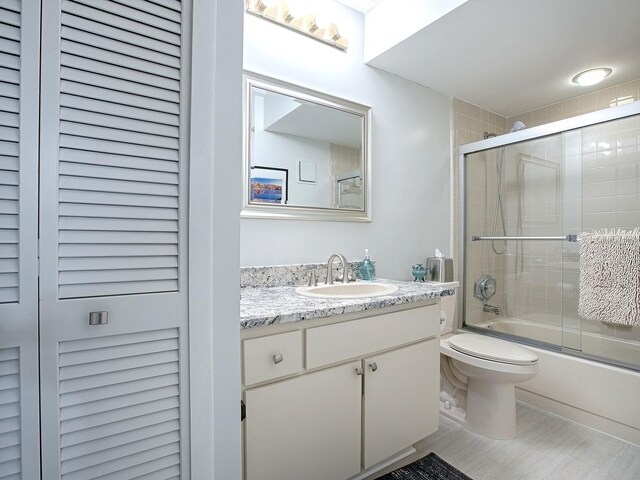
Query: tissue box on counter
(439,268)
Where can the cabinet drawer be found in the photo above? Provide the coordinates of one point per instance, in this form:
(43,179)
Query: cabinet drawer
(271,357)
(341,341)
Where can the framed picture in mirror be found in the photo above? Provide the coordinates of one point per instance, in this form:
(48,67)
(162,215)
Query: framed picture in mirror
(269,185)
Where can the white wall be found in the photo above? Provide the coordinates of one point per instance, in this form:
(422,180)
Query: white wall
(410,153)
(393,21)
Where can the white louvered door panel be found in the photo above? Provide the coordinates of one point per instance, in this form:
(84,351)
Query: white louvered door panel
(113,227)
(120,406)
(19,393)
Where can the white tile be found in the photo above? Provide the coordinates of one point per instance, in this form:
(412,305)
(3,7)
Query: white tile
(570,108)
(547,447)
(626,170)
(606,98)
(627,91)
(571,469)
(626,219)
(587,103)
(626,186)
(626,202)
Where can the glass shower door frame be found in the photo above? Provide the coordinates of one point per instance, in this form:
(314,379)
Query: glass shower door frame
(558,127)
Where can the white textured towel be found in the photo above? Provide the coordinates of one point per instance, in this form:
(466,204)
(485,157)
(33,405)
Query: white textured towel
(610,276)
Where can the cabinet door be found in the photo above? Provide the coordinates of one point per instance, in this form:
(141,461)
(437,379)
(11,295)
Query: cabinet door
(307,427)
(400,400)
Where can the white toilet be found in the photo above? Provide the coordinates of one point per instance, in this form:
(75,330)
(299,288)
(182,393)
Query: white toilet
(478,377)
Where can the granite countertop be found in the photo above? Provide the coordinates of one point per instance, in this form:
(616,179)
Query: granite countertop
(281,304)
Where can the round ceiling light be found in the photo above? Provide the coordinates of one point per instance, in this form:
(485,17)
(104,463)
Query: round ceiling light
(591,76)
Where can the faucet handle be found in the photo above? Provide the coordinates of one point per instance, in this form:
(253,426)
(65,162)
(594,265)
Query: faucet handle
(351,277)
(313,281)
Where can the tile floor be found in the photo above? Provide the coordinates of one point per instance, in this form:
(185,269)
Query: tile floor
(548,447)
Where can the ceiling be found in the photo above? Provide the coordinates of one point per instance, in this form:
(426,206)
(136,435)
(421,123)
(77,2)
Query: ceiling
(512,56)
(360,5)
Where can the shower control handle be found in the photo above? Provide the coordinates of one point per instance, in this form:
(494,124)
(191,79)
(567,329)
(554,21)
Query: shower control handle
(485,287)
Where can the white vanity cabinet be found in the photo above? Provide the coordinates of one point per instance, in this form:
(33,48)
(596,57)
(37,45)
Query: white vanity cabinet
(400,404)
(306,427)
(366,389)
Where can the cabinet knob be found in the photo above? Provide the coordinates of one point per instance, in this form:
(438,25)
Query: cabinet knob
(277,358)
(359,371)
(373,366)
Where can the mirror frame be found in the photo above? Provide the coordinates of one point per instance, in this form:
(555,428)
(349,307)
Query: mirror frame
(296,212)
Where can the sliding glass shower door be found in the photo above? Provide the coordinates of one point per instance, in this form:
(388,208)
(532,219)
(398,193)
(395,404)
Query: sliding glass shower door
(525,204)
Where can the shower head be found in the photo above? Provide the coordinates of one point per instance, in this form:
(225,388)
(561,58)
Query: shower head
(517,126)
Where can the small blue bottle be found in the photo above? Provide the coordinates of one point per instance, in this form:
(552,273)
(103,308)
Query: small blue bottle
(366,268)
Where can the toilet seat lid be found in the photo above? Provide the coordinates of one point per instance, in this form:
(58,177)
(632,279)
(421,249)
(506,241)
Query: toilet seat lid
(492,349)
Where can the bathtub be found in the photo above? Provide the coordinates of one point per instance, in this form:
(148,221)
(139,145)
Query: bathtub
(620,350)
(601,396)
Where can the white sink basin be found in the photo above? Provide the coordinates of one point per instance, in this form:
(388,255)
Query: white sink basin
(348,290)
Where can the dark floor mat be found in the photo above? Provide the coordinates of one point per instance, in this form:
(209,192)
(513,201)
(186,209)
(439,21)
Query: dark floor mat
(431,467)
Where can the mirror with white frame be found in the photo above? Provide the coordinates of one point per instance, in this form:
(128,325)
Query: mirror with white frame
(306,153)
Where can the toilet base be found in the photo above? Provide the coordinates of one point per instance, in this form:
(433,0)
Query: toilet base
(491,409)
(459,415)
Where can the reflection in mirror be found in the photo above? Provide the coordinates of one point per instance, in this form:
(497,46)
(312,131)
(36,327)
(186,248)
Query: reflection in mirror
(306,154)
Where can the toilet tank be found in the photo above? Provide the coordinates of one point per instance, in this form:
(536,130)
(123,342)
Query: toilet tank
(447,307)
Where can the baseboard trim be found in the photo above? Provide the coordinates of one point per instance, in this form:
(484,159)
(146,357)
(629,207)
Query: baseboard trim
(605,425)
(384,464)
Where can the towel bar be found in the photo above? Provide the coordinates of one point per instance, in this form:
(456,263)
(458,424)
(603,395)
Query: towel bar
(567,238)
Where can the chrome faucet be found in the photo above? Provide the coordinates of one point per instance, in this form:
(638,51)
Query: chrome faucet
(492,309)
(345,268)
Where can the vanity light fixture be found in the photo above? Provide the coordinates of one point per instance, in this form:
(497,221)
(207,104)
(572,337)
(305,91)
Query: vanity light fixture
(286,15)
(264,5)
(591,76)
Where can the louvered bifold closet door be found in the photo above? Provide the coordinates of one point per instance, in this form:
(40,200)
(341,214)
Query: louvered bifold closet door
(19,402)
(113,226)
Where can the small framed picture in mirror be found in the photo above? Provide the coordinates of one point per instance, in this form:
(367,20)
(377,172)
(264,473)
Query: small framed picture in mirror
(269,185)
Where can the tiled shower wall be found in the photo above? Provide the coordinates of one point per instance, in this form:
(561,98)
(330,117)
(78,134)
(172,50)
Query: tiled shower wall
(344,160)
(537,280)
(561,184)
(609,175)
(469,124)
(611,197)
(599,100)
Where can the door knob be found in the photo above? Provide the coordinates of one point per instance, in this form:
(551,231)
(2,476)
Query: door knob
(373,366)
(277,358)
(359,371)
(98,318)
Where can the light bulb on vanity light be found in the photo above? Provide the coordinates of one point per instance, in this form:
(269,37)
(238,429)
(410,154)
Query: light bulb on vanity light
(322,21)
(264,5)
(312,25)
(332,32)
(293,10)
(318,24)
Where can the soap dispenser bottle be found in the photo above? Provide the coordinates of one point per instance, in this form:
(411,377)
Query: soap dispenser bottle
(366,268)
